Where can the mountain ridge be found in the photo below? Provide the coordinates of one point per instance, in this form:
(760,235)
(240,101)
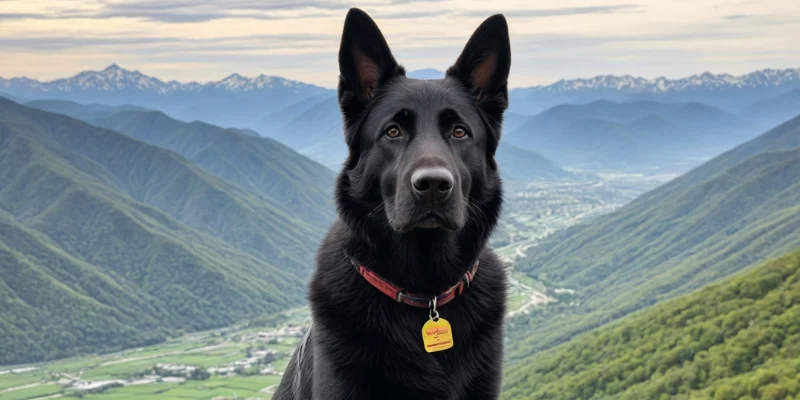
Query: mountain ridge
(719,218)
(114,77)
(734,339)
(260,165)
(100,251)
(629,134)
(705,81)
(237,82)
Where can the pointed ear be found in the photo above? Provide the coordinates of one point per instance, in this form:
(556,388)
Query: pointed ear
(365,63)
(484,64)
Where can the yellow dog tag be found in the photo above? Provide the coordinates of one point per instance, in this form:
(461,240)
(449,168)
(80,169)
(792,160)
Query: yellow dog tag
(437,335)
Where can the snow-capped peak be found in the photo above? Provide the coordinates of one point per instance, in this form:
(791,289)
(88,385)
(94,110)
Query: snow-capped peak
(116,78)
(703,81)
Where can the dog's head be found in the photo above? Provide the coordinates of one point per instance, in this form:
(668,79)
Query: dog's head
(421,152)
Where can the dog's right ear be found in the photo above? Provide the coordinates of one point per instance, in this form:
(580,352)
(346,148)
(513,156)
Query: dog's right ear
(484,64)
(365,63)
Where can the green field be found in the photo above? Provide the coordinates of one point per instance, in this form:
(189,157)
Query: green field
(31,393)
(242,387)
(217,349)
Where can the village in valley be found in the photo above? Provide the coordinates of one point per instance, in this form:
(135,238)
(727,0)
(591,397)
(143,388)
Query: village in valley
(233,363)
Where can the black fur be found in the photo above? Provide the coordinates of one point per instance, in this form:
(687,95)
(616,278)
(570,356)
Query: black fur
(362,344)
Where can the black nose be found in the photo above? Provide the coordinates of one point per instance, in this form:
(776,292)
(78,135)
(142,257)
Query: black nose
(432,184)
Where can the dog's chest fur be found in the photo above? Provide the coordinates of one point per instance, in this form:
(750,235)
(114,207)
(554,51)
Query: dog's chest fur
(366,342)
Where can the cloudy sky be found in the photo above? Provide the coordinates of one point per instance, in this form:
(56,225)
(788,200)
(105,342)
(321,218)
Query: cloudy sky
(551,39)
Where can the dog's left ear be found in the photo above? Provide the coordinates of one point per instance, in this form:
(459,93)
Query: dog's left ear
(484,64)
(365,63)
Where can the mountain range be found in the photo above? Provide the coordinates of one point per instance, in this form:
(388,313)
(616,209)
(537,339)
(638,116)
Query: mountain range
(117,79)
(701,82)
(726,91)
(241,101)
(108,242)
(630,134)
(609,122)
(736,339)
(235,101)
(738,209)
(259,165)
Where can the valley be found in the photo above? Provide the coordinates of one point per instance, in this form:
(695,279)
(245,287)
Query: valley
(234,356)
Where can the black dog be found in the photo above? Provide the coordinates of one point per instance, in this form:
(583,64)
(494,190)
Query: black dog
(418,198)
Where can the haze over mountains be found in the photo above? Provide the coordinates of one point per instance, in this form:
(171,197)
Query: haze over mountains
(616,122)
(632,134)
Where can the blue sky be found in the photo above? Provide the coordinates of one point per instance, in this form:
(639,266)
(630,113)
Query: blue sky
(195,40)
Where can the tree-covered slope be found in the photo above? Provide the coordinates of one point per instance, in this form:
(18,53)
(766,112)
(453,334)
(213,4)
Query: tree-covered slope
(261,166)
(107,242)
(166,181)
(738,339)
(705,225)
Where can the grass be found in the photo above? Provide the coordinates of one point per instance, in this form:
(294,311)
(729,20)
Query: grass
(31,393)
(14,380)
(244,387)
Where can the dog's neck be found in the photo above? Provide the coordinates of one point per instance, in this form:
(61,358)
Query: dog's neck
(421,261)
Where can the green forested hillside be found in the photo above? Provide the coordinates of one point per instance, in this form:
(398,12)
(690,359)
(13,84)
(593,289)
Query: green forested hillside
(164,180)
(739,339)
(717,219)
(262,166)
(108,242)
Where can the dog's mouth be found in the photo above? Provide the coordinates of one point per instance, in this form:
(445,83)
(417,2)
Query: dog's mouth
(430,221)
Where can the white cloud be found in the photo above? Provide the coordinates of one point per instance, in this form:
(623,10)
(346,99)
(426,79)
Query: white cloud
(188,40)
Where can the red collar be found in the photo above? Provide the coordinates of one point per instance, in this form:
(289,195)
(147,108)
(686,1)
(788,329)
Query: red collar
(417,300)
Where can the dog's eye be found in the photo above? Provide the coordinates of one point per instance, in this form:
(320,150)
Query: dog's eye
(394,132)
(459,132)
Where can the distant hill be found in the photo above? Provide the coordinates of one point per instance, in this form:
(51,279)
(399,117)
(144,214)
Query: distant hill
(235,101)
(426,73)
(736,339)
(781,107)
(725,91)
(736,210)
(315,130)
(272,124)
(13,98)
(107,242)
(81,111)
(259,165)
(635,135)
(522,165)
